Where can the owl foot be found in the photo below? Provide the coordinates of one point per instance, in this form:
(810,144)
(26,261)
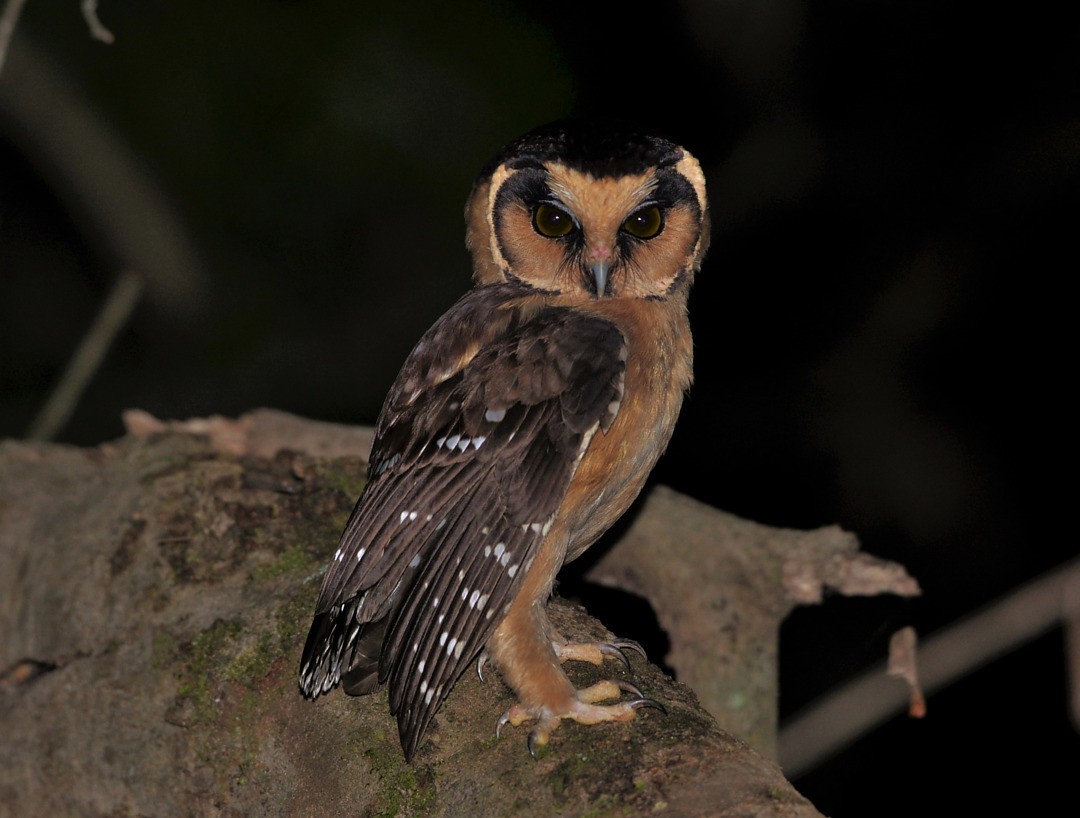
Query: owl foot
(595,652)
(584,710)
(592,652)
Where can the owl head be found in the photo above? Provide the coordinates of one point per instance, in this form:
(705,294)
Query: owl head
(591,208)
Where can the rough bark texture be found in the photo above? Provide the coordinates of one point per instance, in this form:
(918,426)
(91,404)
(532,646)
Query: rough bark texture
(154,596)
(721,586)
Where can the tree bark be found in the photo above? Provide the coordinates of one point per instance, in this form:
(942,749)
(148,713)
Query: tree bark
(154,596)
(721,586)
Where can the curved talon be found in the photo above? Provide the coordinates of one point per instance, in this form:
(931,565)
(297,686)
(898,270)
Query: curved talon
(611,649)
(630,644)
(532,741)
(637,704)
(503,720)
(626,687)
(481,661)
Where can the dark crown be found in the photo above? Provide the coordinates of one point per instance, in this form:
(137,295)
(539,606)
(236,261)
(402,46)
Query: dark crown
(602,148)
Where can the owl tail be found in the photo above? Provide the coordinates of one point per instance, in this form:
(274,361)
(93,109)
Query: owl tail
(340,649)
(363,676)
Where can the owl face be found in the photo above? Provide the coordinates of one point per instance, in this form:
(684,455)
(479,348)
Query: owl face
(606,214)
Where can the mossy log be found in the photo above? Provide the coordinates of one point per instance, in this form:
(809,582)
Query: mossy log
(154,597)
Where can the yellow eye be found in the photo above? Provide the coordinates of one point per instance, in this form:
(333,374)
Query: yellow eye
(552,221)
(645,223)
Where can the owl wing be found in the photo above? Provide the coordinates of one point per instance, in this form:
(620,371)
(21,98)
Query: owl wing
(474,450)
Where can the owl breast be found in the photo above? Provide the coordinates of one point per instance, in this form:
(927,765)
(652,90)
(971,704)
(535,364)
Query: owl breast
(612,477)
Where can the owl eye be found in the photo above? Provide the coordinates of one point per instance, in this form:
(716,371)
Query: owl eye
(552,221)
(645,223)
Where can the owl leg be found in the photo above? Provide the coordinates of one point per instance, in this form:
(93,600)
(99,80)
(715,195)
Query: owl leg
(529,659)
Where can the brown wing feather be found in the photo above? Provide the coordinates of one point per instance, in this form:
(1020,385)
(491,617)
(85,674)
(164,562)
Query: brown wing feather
(474,450)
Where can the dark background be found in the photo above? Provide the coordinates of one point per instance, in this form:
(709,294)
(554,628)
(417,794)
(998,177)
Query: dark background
(879,325)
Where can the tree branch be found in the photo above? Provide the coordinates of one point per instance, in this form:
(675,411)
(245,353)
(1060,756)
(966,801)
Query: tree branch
(9,18)
(154,596)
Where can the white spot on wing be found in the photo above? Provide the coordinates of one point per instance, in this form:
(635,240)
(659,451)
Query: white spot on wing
(387,464)
(360,554)
(512,570)
(450,647)
(443,637)
(494,415)
(472,599)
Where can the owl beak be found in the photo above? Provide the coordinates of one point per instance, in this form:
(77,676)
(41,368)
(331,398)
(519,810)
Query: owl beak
(599,270)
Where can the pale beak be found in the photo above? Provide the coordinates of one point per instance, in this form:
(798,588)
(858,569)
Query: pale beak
(600,269)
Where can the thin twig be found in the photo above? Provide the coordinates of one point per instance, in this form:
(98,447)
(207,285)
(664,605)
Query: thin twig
(827,726)
(8,19)
(903,662)
(97,30)
(1072,649)
(88,356)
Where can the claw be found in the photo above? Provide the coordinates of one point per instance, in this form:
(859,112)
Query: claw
(637,704)
(532,741)
(481,661)
(626,687)
(503,721)
(614,650)
(630,644)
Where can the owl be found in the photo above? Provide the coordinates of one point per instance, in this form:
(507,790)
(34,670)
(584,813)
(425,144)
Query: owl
(520,428)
